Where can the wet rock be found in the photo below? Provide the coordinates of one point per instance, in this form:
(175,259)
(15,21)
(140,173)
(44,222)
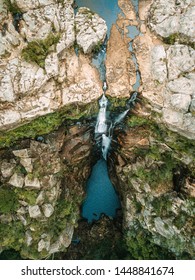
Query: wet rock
(91,29)
(33,183)
(7,168)
(47,210)
(34,211)
(17,180)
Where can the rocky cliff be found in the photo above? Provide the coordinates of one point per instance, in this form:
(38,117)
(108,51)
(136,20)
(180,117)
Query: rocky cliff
(49,88)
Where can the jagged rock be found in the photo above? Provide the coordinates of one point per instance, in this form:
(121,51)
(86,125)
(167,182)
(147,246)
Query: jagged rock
(117,65)
(47,210)
(91,29)
(162,228)
(34,4)
(29,238)
(40,198)
(180,59)
(7,168)
(22,219)
(33,183)
(24,153)
(27,163)
(158,60)
(52,64)
(169,17)
(34,211)
(17,180)
(64,240)
(43,245)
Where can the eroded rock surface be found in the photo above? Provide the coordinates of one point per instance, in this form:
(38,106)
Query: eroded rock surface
(46,201)
(167,71)
(29,89)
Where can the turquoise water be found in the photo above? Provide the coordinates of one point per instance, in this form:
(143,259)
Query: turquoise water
(101,195)
(107,9)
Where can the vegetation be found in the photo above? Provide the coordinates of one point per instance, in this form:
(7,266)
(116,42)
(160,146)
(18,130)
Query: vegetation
(141,247)
(181,38)
(12,7)
(46,124)
(37,51)
(8,200)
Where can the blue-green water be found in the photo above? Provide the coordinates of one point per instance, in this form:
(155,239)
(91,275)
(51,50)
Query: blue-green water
(101,195)
(107,9)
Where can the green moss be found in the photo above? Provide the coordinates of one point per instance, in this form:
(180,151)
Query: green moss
(8,200)
(37,51)
(12,235)
(46,124)
(162,205)
(28,196)
(181,38)
(136,121)
(141,247)
(12,7)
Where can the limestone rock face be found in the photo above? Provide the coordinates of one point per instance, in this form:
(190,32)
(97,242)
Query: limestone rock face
(90,29)
(155,205)
(167,70)
(173,17)
(26,89)
(48,196)
(117,65)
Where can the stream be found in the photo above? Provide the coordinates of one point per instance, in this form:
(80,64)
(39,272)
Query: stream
(101,197)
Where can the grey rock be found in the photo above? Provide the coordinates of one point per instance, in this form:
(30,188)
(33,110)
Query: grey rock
(24,153)
(181,59)
(7,168)
(43,244)
(163,228)
(17,180)
(91,29)
(33,183)
(27,163)
(40,198)
(47,210)
(180,102)
(29,238)
(34,211)
(158,59)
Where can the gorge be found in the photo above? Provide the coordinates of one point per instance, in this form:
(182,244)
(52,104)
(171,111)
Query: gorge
(54,60)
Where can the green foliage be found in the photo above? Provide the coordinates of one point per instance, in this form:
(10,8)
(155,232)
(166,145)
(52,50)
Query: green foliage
(10,255)
(181,38)
(140,246)
(37,51)
(135,121)
(97,48)
(162,205)
(28,196)
(12,7)
(8,200)
(46,124)
(12,235)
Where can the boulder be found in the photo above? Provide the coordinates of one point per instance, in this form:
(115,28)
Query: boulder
(7,168)
(33,183)
(47,210)
(27,163)
(34,211)
(17,180)
(43,244)
(91,29)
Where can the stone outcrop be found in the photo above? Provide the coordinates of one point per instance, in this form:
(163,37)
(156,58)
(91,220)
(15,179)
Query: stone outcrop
(26,89)
(48,198)
(90,29)
(167,71)
(173,17)
(158,207)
